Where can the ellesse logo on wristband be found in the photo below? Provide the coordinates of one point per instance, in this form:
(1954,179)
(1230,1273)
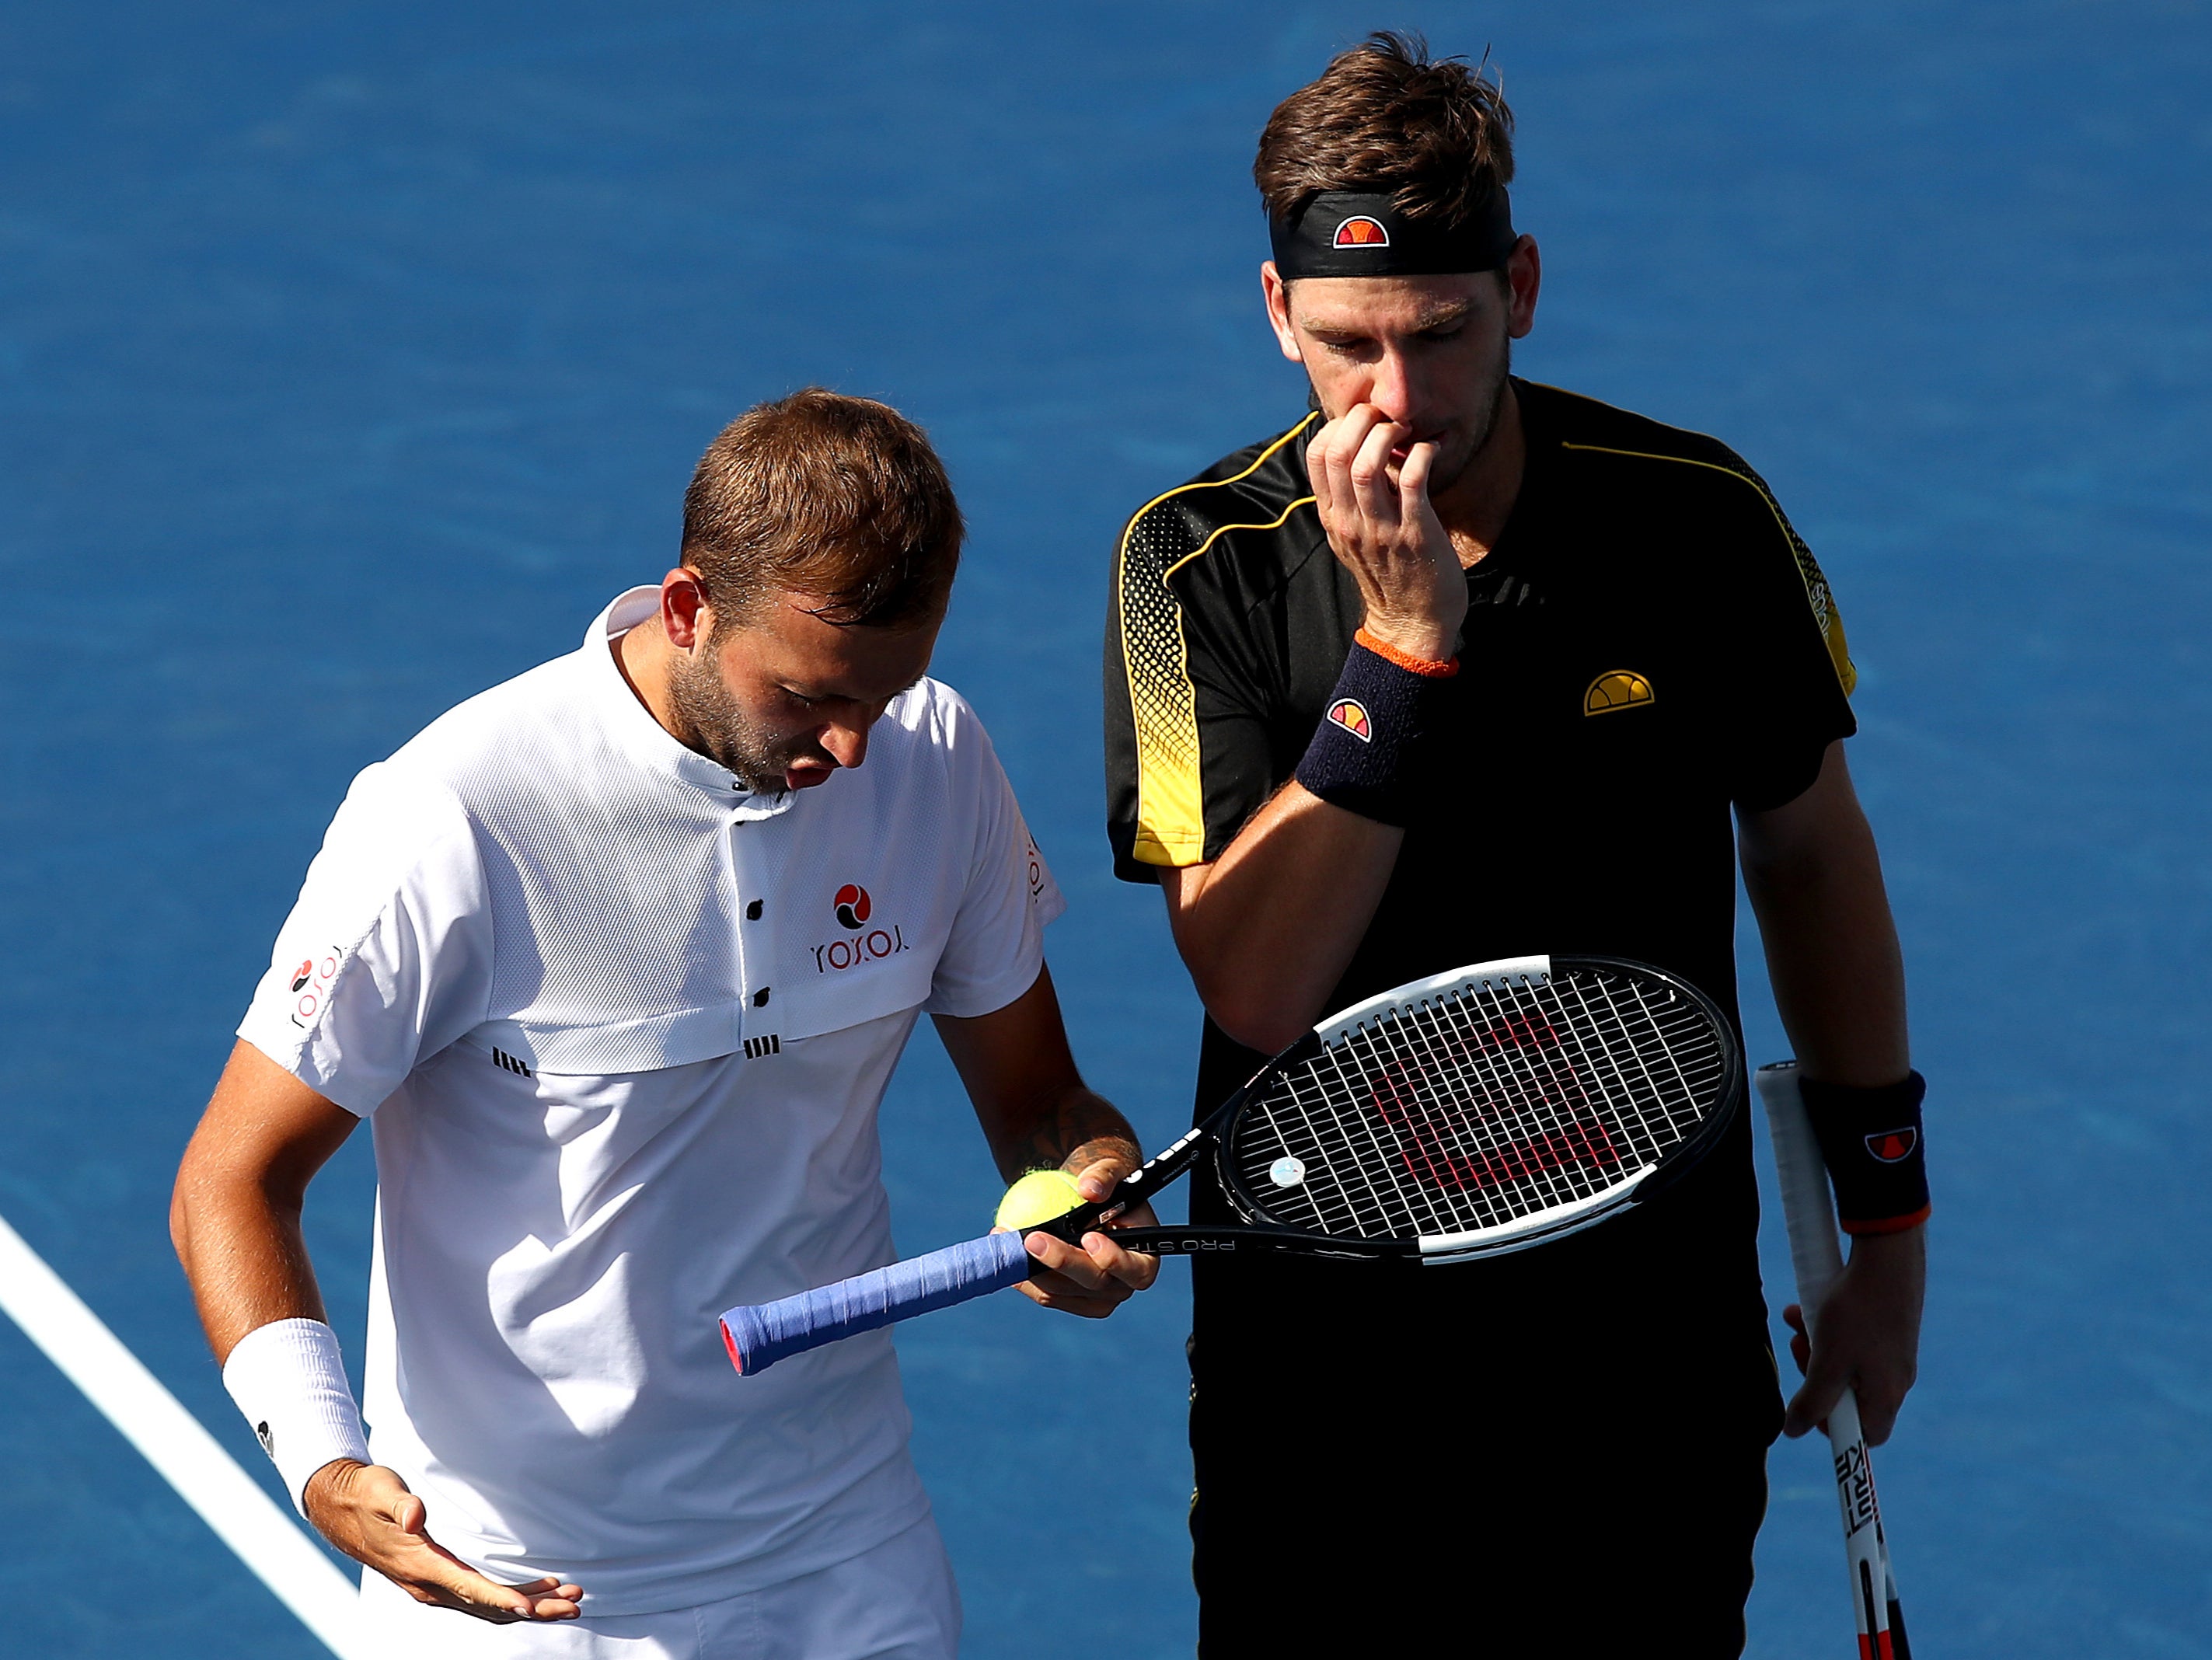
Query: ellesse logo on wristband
(1893,1146)
(1351,714)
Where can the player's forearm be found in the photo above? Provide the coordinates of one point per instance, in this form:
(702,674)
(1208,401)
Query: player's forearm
(1072,1130)
(1267,930)
(1035,1109)
(235,1214)
(1832,953)
(244,1254)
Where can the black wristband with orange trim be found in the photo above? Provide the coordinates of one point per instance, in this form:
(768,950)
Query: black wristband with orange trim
(1870,1140)
(1365,754)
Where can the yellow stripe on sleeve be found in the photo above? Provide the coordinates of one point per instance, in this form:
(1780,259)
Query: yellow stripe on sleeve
(1162,537)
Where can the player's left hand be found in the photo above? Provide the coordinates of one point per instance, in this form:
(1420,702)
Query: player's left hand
(1097,1278)
(1866,1336)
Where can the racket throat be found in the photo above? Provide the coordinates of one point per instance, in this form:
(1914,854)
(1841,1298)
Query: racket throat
(1230,1241)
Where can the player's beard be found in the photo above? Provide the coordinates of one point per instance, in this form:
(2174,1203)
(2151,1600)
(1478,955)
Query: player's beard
(712,723)
(1491,402)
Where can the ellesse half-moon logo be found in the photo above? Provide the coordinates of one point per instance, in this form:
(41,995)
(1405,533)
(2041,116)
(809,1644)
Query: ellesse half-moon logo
(1617,688)
(1351,715)
(1361,232)
(852,906)
(1893,1146)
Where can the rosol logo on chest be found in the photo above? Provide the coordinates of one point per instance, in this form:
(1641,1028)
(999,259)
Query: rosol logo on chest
(854,909)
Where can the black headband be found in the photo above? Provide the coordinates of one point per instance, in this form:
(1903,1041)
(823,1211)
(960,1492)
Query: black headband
(1346,233)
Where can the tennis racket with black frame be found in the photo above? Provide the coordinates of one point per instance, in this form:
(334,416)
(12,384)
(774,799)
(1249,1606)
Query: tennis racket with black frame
(1463,1117)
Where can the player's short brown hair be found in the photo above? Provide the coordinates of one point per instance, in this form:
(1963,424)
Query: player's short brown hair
(1384,116)
(840,500)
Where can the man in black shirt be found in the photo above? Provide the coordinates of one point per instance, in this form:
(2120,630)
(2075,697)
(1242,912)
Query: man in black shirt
(1460,667)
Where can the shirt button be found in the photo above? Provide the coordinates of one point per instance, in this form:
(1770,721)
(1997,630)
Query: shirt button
(753,911)
(760,997)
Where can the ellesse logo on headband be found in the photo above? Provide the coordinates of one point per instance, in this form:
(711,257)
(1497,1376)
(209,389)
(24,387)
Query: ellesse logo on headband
(1361,232)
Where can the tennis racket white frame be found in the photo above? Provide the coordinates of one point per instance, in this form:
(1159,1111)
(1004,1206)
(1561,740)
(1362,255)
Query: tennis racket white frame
(1810,1216)
(1501,973)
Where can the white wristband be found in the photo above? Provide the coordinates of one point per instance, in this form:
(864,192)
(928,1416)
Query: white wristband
(289,1380)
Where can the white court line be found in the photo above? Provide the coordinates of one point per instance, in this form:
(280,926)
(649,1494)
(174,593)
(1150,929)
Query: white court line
(177,1444)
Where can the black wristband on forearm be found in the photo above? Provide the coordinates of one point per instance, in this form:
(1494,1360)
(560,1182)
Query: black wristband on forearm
(1870,1141)
(1364,753)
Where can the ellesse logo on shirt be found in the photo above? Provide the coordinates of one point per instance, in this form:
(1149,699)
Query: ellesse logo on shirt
(1618,688)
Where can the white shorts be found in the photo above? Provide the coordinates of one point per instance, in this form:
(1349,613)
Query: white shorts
(897,1602)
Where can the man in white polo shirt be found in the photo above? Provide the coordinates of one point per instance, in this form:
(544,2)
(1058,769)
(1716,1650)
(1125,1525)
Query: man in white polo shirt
(620,990)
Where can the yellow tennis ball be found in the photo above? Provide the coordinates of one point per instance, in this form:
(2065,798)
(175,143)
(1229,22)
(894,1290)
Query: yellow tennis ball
(1038,1197)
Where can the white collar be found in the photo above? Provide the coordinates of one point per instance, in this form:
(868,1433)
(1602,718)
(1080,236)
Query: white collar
(631,726)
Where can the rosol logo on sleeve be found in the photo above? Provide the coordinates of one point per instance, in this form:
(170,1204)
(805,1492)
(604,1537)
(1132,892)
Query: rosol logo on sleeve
(311,986)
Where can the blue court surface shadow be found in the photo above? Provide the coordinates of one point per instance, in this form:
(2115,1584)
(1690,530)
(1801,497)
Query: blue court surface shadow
(351,356)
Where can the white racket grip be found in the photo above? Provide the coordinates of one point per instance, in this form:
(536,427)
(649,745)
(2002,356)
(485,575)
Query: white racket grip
(1807,1212)
(1809,1215)
(1865,1552)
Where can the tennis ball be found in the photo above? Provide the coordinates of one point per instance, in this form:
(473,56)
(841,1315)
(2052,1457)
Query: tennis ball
(1038,1197)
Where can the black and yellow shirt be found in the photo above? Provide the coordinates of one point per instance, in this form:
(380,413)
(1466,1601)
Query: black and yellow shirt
(1648,646)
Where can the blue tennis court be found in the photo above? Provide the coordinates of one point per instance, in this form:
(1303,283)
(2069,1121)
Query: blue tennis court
(352,356)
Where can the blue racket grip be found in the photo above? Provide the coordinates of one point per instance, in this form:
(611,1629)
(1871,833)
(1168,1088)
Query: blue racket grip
(758,1337)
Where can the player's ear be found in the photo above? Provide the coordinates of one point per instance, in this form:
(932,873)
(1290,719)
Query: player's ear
(1524,275)
(684,615)
(1278,292)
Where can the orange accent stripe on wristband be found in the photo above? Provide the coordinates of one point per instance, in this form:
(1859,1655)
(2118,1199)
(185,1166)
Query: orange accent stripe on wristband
(1889,1224)
(1428,666)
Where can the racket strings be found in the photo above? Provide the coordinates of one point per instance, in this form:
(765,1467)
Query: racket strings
(1494,1107)
(1518,1060)
(1476,1106)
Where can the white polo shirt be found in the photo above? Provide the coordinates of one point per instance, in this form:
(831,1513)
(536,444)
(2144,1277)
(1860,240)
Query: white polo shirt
(623,1028)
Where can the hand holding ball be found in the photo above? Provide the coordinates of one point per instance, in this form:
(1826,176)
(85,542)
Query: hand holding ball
(1038,1197)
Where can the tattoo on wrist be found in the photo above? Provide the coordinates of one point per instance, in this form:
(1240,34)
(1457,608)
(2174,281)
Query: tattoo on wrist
(1082,1130)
